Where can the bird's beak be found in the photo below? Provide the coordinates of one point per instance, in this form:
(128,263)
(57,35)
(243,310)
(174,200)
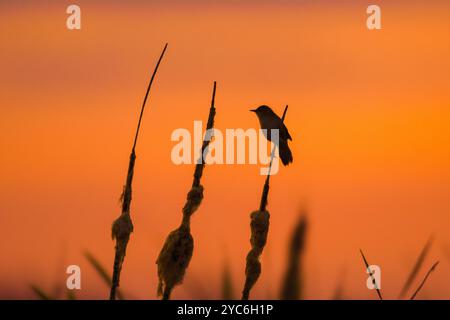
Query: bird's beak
(253,110)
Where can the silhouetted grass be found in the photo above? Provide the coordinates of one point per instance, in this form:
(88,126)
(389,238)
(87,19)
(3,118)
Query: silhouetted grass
(433,267)
(101,271)
(292,283)
(227,283)
(40,293)
(338,293)
(371,275)
(70,295)
(415,270)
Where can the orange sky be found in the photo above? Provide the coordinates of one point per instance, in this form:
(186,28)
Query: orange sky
(369,114)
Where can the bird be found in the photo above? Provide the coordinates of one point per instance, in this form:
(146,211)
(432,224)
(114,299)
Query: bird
(269,120)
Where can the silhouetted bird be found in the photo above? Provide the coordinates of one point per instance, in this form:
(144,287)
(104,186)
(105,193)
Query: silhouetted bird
(269,120)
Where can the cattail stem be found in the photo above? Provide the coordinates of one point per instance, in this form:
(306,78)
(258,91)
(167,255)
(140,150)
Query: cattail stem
(210,124)
(177,250)
(123,226)
(265,193)
(259,226)
(146,95)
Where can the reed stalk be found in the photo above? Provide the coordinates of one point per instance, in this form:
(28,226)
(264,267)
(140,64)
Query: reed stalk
(259,226)
(123,226)
(177,250)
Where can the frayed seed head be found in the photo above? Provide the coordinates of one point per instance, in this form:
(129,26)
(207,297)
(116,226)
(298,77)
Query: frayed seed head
(259,228)
(252,271)
(174,259)
(122,227)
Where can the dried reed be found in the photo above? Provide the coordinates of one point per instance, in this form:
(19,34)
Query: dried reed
(292,284)
(176,252)
(123,226)
(259,225)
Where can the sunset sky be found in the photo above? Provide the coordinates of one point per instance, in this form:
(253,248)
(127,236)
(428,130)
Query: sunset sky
(369,114)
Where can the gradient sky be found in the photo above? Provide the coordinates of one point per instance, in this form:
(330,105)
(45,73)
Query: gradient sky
(369,116)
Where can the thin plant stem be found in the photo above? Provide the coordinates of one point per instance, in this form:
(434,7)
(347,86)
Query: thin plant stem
(123,226)
(265,193)
(176,253)
(371,275)
(259,226)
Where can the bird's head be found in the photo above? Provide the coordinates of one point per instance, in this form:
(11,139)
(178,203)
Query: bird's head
(262,110)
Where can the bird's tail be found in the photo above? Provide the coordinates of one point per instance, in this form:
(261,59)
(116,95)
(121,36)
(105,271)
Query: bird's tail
(285,152)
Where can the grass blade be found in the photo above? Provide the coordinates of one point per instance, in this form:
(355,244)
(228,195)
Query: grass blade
(70,295)
(292,284)
(371,275)
(40,293)
(425,279)
(101,271)
(415,270)
(227,283)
